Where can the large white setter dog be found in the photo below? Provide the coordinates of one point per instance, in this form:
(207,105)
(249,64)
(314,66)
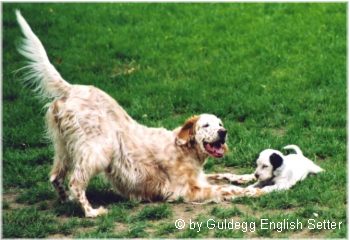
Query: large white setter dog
(92,133)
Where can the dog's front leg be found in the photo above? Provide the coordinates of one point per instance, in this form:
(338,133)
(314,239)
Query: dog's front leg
(230,192)
(217,193)
(232,178)
(262,184)
(254,185)
(277,187)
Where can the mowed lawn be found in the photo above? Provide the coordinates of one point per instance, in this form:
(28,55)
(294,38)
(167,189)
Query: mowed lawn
(275,74)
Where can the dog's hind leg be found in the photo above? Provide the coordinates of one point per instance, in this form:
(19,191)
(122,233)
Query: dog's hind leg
(77,184)
(61,158)
(313,168)
(59,171)
(88,163)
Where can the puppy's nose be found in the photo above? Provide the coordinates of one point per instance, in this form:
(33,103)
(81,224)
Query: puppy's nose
(222,133)
(256,175)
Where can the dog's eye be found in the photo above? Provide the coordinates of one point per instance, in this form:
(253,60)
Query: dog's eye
(206,125)
(264,166)
(220,124)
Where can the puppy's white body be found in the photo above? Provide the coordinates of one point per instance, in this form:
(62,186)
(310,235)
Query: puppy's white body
(295,167)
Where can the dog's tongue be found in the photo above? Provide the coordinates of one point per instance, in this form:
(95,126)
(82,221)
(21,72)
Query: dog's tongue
(215,150)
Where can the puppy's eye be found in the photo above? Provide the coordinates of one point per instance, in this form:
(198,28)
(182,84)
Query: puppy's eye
(220,124)
(206,125)
(264,166)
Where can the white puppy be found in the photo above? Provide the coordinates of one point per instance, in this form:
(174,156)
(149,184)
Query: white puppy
(276,171)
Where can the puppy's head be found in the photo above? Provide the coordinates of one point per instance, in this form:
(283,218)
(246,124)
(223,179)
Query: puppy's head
(268,162)
(206,132)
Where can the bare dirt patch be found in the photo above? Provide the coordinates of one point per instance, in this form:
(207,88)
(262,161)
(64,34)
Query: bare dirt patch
(278,132)
(10,198)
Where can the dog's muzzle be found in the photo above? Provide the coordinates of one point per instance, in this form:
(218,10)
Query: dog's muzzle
(217,148)
(222,134)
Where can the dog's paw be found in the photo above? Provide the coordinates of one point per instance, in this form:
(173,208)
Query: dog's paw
(241,179)
(251,191)
(102,211)
(96,212)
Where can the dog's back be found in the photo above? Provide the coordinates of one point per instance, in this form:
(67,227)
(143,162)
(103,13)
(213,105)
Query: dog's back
(298,165)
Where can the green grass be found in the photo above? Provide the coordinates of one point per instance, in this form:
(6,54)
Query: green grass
(155,212)
(28,222)
(275,74)
(225,213)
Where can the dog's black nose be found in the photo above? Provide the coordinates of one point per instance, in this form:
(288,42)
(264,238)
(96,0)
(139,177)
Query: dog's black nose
(256,175)
(222,133)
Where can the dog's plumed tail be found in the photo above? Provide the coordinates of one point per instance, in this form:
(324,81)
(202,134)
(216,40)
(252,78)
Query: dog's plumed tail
(295,148)
(41,74)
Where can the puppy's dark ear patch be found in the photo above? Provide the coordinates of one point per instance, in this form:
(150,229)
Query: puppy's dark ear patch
(276,160)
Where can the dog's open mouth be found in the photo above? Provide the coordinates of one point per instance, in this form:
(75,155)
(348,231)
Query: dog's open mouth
(215,149)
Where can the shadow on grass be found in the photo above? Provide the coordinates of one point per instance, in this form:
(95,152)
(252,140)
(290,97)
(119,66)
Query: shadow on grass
(96,199)
(103,197)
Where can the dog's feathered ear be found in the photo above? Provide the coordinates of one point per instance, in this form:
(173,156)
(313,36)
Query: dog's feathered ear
(187,131)
(276,160)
